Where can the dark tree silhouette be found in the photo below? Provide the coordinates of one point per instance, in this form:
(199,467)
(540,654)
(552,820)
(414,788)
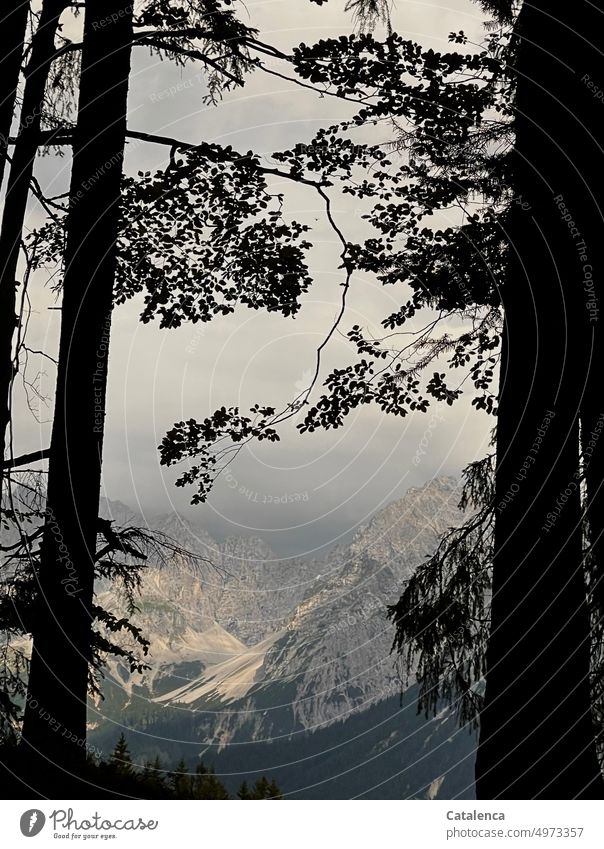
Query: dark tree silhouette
(267,270)
(61,651)
(120,759)
(40,57)
(14,27)
(261,789)
(537,731)
(202,783)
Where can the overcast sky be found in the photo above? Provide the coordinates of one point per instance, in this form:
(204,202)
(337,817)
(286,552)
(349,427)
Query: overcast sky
(337,479)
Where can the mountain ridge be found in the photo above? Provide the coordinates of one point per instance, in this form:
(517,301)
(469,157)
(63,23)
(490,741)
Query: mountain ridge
(257,650)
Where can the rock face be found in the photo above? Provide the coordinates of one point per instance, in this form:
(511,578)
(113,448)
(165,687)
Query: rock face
(337,644)
(238,583)
(252,648)
(250,620)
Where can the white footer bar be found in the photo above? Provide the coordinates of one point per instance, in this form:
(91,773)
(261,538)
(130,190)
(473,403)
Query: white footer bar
(304,824)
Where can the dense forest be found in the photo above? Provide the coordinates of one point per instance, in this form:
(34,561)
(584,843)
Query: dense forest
(464,184)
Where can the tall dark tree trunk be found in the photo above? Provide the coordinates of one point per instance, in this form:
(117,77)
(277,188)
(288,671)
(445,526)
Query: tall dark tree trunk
(537,735)
(17,193)
(14,27)
(62,635)
(588,201)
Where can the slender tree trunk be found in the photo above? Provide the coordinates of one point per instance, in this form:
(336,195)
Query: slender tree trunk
(17,193)
(537,735)
(588,201)
(62,637)
(14,27)
(592,445)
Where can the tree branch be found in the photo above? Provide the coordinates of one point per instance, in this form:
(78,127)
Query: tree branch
(24,459)
(192,54)
(210,151)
